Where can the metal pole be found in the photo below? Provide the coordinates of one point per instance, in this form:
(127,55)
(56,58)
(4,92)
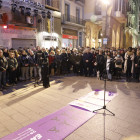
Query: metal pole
(105,68)
(106,23)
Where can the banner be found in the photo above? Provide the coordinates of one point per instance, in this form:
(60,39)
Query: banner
(56,126)
(94,100)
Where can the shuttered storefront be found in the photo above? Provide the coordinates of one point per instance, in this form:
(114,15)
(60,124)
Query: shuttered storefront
(29,43)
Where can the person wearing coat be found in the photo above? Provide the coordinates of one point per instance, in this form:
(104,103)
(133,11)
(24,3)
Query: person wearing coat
(12,66)
(87,58)
(52,64)
(129,64)
(118,65)
(24,63)
(94,62)
(64,61)
(58,60)
(137,66)
(69,62)
(78,61)
(108,67)
(3,68)
(32,64)
(100,63)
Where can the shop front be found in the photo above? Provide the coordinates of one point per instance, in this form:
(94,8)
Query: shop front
(15,37)
(69,38)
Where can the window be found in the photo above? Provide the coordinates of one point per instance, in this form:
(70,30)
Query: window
(48,2)
(97,8)
(77,16)
(67,15)
(116,5)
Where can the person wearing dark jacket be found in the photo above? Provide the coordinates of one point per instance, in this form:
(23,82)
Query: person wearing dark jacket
(74,53)
(137,66)
(78,63)
(69,62)
(24,63)
(38,59)
(3,67)
(58,60)
(32,64)
(100,63)
(94,62)
(12,66)
(87,58)
(64,61)
(5,53)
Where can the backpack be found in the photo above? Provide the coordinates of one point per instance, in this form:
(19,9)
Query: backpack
(118,62)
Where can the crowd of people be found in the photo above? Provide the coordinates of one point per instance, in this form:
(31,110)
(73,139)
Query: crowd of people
(24,64)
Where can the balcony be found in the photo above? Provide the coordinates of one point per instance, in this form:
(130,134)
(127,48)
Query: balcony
(69,19)
(120,17)
(129,25)
(53,3)
(80,2)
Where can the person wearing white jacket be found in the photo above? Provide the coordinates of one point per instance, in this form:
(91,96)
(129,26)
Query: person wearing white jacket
(108,68)
(129,64)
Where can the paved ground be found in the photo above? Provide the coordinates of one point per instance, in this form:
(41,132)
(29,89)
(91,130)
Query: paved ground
(25,104)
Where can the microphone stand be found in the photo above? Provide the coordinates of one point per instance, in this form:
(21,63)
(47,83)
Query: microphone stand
(104,107)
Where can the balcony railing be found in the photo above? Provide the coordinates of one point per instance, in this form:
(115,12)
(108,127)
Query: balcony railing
(82,1)
(52,3)
(73,19)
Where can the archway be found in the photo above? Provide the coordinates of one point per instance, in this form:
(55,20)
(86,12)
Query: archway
(118,38)
(114,36)
(128,39)
(88,36)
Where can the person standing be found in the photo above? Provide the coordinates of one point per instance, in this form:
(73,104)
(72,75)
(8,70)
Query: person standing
(108,68)
(58,60)
(88,57)
(38,59)
(118,65)
(78,59)
(129,64)
(24,61)
(3,68)
(94,62)
(64,61)
(32,64)
(100,63)
(137,66)
(12,66)
(52,64)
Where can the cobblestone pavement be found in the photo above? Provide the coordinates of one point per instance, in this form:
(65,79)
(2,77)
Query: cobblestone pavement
(25,104)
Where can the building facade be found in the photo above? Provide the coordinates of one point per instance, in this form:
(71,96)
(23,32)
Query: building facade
(16,29)
(111,19)
(73,25)
(49,29)
(26,24)
(132,25)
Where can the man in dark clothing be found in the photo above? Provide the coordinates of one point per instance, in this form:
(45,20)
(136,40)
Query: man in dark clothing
(73,59)
(100,63)
(94,62)
(32,64)
(88,57)
(12,66)
(78,63)
(3,67)
(38,59)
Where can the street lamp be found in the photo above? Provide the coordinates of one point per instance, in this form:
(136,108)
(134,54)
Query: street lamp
(106,2)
